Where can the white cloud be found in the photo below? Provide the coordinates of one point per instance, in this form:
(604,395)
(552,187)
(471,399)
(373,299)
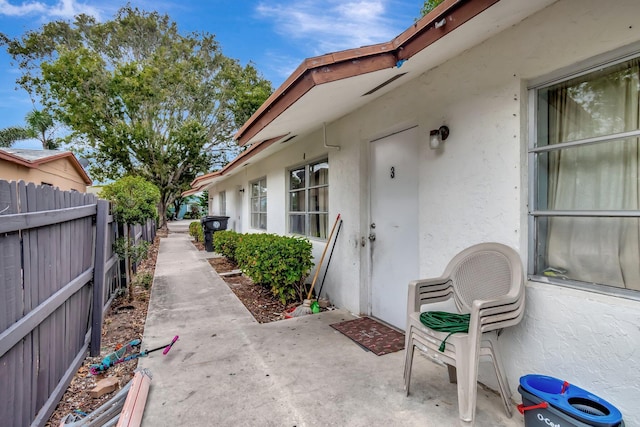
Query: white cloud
(65,9)
(21,10)
(70,8)
(332,25)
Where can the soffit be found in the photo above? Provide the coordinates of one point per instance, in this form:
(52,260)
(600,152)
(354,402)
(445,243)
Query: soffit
(327,102)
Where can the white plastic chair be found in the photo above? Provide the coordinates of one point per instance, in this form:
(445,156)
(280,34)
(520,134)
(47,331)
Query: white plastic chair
(487,281)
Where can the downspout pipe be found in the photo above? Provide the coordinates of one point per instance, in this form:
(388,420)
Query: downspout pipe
(324,138)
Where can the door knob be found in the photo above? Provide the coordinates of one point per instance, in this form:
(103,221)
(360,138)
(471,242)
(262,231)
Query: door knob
(372,236)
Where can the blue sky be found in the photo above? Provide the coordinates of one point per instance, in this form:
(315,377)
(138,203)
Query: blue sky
(276,35)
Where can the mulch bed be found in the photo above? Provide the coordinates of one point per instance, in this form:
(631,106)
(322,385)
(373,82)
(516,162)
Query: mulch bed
(222,264)
(258,299)
(123,322)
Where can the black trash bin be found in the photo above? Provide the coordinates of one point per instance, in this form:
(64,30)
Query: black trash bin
(211,224)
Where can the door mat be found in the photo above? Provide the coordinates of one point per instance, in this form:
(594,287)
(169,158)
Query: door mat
(371,335)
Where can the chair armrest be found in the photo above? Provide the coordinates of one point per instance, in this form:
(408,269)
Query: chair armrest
(422,286)
(483,311)
(509,298)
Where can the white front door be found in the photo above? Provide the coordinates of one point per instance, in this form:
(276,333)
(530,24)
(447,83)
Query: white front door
(393,238)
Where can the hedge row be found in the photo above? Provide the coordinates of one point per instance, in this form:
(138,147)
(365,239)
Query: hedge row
(196,231)
(280,262)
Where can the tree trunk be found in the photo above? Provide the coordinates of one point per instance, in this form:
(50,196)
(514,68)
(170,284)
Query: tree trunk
(162,214)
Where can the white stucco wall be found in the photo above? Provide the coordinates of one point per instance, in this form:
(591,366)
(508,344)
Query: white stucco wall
(476,190)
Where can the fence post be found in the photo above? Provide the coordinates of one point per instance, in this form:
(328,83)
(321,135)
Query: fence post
(98,276)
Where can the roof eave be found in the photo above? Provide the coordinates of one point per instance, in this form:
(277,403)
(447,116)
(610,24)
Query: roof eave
(205,180)
(36,163)
(353,62)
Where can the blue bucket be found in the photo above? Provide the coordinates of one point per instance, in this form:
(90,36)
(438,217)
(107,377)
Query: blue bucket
(566,402)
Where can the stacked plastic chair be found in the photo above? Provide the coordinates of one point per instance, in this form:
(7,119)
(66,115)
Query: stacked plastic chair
(486,281)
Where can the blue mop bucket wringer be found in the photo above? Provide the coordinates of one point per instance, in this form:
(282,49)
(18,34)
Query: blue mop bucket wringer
(549,401)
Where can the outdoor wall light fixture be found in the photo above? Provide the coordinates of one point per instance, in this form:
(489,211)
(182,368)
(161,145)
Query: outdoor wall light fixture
(241,190)
(437,136)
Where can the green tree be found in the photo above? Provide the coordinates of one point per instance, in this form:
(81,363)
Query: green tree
(40,126)
(12,134)
(203,201)
(139,97)
(134,202)
(428,6)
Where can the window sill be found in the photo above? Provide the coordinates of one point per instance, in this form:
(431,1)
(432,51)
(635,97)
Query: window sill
(588,287)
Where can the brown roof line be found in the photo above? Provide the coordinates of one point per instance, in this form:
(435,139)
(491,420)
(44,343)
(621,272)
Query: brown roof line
(352,62)
(15,159)
(190,192)
(36,163)
(245,155)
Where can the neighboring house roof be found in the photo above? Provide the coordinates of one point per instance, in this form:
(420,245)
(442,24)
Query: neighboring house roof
(324,88)
(35,158)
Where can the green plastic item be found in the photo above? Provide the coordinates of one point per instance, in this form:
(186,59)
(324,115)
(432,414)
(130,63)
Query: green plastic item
(315,307)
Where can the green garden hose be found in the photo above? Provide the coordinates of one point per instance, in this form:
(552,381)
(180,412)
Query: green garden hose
(443,321)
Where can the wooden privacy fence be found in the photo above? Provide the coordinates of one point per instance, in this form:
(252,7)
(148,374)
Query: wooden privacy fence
(58,275)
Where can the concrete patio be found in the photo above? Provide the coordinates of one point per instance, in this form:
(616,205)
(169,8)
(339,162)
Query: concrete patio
(229,370)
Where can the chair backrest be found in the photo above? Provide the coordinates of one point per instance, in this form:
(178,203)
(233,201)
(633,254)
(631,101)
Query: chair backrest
(484,272)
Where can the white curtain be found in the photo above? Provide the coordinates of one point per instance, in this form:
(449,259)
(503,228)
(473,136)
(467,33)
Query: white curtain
(602,176)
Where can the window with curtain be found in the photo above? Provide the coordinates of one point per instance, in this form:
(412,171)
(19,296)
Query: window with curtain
(259,204)
(309,199)
(222,198)
(586,211)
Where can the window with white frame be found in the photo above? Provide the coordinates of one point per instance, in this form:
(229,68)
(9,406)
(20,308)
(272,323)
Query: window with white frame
(259,204)
(222,202)
(585,198)
(309,199)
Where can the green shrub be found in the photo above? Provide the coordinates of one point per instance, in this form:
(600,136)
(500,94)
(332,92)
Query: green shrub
(126,249)
(196,231)
(145,280)
(134,199)
(281,262)
(192,228)
(225,243)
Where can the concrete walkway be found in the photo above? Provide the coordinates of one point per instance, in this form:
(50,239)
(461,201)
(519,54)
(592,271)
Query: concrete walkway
(229,370)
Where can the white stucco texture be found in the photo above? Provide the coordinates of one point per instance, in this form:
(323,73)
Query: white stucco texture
(475,189)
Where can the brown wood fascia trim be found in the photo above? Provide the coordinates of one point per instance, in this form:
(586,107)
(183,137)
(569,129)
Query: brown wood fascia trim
(344,69)
(191,191)
(352,62)
(457,15)
(424,23)
(307,65)
(196,180)
(15,159)
(250,152)
(329,72)
(35,164)
(245,155)
(273,110)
